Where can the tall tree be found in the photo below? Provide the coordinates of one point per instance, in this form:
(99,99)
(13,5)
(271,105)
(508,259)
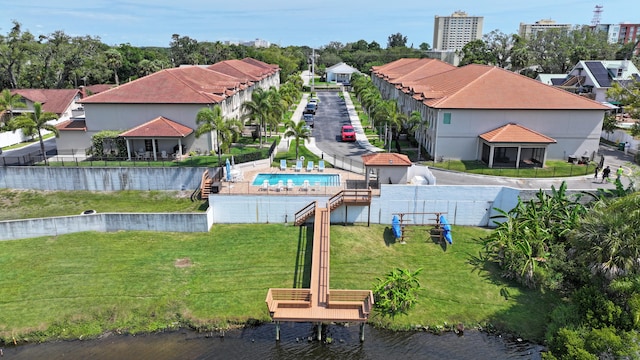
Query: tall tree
(34,123)
(499,45)
(476,52)
(114,60)
(396,40)
(15,49)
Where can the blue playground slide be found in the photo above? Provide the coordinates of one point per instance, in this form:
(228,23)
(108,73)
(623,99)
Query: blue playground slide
(395,226)
(446,229)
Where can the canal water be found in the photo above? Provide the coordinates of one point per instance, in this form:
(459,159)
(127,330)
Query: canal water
(297,342)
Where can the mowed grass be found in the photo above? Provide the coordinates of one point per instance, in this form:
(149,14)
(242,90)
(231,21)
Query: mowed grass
(81,285)
(23,204)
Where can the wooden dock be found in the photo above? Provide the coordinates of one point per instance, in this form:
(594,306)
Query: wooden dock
(318,303)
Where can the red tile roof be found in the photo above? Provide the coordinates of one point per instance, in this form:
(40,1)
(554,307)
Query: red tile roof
(486,87)
(158,127)
(94,89)
(404,71)
(184,85)
(72,125)
(240,70)
(56,101)
(514,133)
(386,159)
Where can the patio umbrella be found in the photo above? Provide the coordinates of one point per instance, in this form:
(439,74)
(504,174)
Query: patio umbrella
(228,165)
(233,163)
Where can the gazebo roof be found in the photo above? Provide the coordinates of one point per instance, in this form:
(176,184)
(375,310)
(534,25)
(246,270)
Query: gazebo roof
(386,159)
(158,127)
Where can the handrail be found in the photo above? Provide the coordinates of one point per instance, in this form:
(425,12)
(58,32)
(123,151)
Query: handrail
(305,211)
(205,175)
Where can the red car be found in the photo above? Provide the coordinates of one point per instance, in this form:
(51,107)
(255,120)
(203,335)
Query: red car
(348,133)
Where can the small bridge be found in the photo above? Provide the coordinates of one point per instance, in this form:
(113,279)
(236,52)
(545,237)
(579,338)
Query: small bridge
(319,303)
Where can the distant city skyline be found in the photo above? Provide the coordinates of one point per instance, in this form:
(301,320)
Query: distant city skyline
(285,22)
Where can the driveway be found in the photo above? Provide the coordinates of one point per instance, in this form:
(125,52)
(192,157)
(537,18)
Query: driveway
(331,115)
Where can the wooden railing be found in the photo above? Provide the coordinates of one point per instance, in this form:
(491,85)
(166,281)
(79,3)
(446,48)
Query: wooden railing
(349,197)
(205,185)
(306,212)
(288,298)
(361,299)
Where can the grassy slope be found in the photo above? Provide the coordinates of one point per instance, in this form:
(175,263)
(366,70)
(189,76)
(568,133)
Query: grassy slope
(18,204)
(88,283)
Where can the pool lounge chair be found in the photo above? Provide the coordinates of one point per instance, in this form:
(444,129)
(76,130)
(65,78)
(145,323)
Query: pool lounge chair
(309,165)
(265,185)
(289,184)
(305,186)
(280,185)
(283,164)
(298,165)
(321,166)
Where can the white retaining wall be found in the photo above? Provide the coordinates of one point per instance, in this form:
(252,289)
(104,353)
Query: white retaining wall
(100,179)
(464,205)
(104,222)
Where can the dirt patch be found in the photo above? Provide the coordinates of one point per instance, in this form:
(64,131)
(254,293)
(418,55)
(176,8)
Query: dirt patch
(183,263)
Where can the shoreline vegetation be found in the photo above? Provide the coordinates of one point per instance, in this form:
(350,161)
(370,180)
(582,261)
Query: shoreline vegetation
(83,285)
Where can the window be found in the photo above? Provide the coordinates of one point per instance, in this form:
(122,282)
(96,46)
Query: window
(446,118)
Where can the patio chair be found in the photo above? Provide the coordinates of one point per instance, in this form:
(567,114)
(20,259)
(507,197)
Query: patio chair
(321,166)
(280,185)
(164,155)
(305,185)
(265,185)
(309,165)
(289,184)
(298,165)
(283,164)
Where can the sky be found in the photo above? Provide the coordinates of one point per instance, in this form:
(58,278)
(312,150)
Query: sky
(288,22)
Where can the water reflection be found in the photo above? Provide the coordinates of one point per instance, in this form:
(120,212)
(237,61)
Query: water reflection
(297,342)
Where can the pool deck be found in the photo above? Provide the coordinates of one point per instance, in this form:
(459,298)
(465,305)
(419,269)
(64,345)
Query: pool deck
(245,187)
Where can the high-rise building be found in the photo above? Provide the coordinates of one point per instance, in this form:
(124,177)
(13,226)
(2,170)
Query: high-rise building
(455,31)
(612,30)
(630,33)
(527,31)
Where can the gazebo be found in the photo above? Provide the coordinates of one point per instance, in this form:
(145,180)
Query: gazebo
(391,166)
(158,136)
(514,145)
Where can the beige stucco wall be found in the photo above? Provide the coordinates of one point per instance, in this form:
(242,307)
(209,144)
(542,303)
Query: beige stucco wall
(577,132)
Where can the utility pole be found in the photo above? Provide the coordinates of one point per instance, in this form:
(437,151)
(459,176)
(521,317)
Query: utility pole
(313,69)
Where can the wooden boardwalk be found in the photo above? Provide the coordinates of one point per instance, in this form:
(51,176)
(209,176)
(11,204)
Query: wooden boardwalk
(319,303)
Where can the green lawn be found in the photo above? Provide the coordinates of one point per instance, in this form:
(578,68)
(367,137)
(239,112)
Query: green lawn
(23,204)
(87,283)
(553,168)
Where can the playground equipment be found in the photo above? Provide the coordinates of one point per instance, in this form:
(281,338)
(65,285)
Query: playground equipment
(441,226)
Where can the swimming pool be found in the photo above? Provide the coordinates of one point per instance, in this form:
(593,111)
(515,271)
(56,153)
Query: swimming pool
(298,179)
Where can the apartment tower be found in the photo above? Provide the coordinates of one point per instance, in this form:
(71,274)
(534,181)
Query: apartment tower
(455,31)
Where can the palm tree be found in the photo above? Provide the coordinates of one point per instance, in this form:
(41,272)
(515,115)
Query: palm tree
(298,131)
(8,102)
(606,240)
(209,120)
(418,125)
(257,110)
(114,60)
(35,122)
(278,107)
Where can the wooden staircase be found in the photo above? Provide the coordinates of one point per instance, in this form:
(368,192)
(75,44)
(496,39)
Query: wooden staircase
(205,185)
(348,197)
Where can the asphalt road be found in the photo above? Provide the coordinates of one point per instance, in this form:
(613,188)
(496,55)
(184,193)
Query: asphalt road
(330,116)
(22,155)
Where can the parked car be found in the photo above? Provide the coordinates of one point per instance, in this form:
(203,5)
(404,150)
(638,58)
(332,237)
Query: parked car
(310,109)
(308,118)
(348,133)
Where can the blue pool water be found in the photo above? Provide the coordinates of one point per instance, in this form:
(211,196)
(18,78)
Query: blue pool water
(298,179)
